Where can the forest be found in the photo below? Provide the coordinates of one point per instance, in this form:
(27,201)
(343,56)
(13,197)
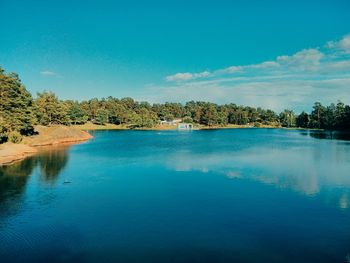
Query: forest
(20,112)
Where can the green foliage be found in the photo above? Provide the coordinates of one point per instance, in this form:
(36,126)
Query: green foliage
(267,116)
(287,118)
(302,120)
(16,110)
(76,113)
(222,118)
(317,117)
(187,119)
(340,115)
(169,117)
(3,131)
(19,112)
(49,110)
(15,137)
(101,116)
(145,119)
(142,114)
(209,115)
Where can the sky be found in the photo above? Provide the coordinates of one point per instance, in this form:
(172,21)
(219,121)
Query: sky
(274,54)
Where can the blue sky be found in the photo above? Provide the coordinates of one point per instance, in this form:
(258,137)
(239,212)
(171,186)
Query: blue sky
(274,54)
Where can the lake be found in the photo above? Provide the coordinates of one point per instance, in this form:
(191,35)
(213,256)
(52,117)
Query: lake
(230,195)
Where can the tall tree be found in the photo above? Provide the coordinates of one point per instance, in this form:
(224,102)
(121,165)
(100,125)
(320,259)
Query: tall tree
(101,116)
(76,113)
(339,115)
(49,110)
(302,120)
(287,118)
(210,115)
(16,106)
(317,116)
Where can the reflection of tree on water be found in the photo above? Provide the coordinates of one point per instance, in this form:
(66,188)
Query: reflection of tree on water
(335,135)
(13,178)
(51,163)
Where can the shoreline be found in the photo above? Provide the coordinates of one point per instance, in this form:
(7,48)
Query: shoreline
(96,127)
(67,135)
(48,136)
(11,153)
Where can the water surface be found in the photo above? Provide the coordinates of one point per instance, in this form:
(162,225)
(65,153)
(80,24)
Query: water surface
(235,195)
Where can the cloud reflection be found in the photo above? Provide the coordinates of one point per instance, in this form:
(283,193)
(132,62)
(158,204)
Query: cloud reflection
(310,170)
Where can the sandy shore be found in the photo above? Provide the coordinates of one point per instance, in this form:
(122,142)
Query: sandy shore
(53,135)
(10,152)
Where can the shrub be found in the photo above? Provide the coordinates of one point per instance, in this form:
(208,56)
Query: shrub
(15,137)
(187,119)
(3,132)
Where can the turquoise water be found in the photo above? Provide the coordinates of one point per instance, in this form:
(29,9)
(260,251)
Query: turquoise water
(240,195)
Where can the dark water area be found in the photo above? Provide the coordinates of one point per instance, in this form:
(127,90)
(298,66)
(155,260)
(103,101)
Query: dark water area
(330,135)
(233,195)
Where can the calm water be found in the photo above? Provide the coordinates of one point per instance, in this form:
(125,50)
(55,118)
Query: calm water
(243,195)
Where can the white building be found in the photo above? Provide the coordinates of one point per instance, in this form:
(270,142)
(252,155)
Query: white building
(173,122)
(185,126)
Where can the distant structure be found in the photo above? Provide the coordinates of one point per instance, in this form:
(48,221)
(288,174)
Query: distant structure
(174,122)
(185,126)
(178,122)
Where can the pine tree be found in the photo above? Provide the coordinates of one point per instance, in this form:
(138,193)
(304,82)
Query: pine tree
(16,106)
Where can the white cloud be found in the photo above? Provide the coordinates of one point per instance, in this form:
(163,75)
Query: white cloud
(307,59)
(290,81)
(275,94)
(201,75)
(187,76)
(342,45)
(232,69)
(339,65)
(266,64)
(179,76)
(345,43)
(48,73)
(241,69)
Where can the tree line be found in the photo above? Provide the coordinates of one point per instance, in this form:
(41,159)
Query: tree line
(19,112)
